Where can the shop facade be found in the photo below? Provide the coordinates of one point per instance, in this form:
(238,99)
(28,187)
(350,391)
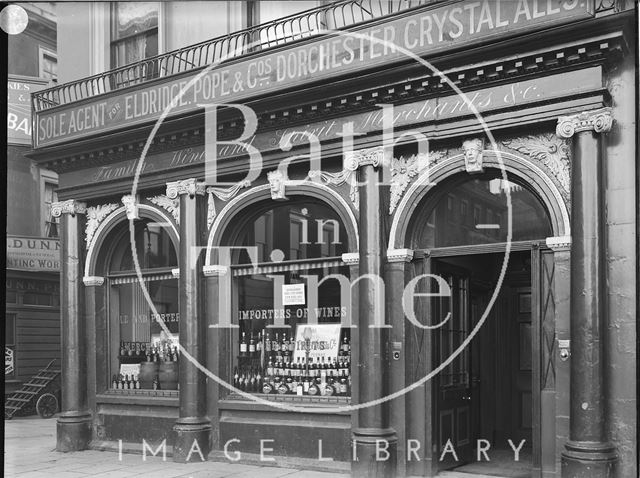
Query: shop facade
(307,291)
(32,274)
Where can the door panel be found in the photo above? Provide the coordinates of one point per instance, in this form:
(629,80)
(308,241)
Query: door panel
(453,383)
(521,363)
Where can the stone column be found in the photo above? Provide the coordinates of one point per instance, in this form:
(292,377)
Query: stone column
(587,452)
(193,427)
(74,421)
(375,442)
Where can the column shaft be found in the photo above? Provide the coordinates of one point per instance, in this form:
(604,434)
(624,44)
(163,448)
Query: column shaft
(193,428)
(587,452)
(373,433)
(74,423)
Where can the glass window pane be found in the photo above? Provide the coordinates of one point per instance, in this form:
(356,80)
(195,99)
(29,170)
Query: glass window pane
(132,18)
(139,336)
(306,231)
(487,196)
(153,246)
(274,360)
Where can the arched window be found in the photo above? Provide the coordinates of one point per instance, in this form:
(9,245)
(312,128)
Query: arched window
(136,334)
(472,211)
(283,288)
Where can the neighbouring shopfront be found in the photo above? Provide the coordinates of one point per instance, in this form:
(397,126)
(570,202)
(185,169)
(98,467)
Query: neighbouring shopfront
(399,299)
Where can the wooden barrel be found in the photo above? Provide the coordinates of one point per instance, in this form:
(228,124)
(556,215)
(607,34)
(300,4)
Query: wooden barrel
(168,375)
(148,371)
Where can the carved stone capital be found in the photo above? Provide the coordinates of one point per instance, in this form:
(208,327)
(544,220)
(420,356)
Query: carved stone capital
(351,258)
(399,255)
(277,182)
(130,206)
(364,157)
(189,186)
(93,281)
(70,206)
(215,270)
(175,273)
(599,120)
(559,243)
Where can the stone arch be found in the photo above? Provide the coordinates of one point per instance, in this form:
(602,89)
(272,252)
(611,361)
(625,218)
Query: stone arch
(263,193)
(116,218)
(523,168)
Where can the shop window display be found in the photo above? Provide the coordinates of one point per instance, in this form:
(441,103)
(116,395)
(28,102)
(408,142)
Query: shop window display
(293,306)
(144,354)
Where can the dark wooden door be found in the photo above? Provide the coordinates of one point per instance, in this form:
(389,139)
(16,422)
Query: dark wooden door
(521,364)
(453,394)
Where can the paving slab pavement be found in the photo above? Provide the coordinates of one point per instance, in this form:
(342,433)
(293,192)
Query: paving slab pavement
(30,452)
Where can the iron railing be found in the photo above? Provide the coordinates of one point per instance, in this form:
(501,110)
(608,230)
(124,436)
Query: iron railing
(338,15)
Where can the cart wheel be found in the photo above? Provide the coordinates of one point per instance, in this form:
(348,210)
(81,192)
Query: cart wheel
(47,405)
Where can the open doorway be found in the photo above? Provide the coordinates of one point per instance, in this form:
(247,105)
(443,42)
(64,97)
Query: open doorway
(484,399)
(484,405)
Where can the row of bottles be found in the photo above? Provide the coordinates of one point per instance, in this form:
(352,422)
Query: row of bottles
(158,352)
(316,378)
(163,353)
(277,347)
(125,382)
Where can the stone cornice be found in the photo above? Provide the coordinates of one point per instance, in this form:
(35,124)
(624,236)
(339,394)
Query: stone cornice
(559,243)
(399,255)
(93,281)
(70,206)
(189,186)
(599,121)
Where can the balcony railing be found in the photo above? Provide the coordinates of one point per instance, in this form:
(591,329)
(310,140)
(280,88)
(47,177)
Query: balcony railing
(338,15)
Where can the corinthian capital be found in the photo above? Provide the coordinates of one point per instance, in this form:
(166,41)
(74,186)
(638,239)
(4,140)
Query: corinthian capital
(189,186)
(70,206)
(599,120)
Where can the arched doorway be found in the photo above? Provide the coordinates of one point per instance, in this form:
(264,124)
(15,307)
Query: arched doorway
(484,407)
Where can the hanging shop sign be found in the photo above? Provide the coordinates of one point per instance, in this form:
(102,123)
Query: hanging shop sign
(19,108)
(33,254)
(431,110)
(424,33)
(320,341)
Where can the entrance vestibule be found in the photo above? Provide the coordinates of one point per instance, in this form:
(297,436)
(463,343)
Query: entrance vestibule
(484,399)
(482,404)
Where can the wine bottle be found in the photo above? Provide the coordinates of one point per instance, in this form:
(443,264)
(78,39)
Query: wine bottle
(343,387)
(267,343)
(252,346)
(243,345)
(236,377)
(346,346)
